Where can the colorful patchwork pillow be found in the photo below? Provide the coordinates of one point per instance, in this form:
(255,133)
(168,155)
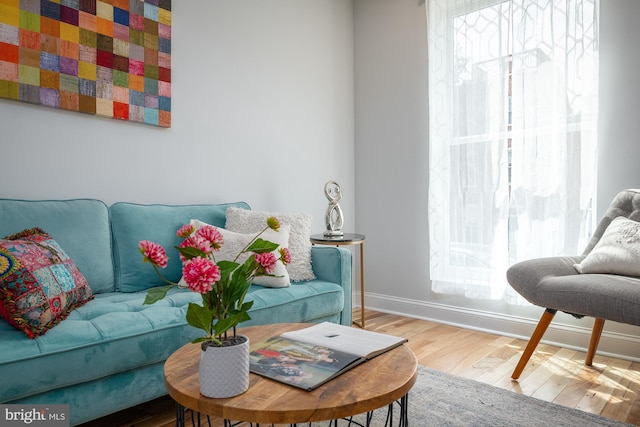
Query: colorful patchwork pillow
(39,284)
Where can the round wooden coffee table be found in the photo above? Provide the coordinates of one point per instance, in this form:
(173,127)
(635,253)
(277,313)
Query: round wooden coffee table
(374,384)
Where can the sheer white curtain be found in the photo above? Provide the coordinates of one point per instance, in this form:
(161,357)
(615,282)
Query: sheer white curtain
(513,106)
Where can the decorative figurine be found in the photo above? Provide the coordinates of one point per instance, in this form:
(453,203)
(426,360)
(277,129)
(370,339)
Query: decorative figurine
(333,217)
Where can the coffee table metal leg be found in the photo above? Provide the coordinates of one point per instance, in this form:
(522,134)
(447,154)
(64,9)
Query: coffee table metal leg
(180,415)
(404,411)
(403,419)
(369,417)
(389,421)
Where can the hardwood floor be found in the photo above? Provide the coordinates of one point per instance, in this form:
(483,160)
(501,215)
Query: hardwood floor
(610,387)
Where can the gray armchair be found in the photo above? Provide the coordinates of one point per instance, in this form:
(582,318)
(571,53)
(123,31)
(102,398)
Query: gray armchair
(554,283)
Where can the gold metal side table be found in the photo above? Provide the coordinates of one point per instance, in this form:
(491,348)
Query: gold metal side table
(347,239)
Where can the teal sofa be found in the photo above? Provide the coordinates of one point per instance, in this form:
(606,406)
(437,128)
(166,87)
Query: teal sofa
(109,353)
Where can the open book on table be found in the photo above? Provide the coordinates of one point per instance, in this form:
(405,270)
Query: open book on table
(309,357)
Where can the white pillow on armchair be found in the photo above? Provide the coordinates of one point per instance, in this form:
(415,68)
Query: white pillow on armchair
(617,251)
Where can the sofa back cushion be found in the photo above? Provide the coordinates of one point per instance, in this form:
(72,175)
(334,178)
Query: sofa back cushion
(133,222)
(79,226)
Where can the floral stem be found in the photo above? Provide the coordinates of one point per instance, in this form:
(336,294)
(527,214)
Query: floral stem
(219,305)
(155,267)
(250,243)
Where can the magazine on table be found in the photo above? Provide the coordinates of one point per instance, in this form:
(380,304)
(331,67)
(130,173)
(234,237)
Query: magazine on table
(309,357)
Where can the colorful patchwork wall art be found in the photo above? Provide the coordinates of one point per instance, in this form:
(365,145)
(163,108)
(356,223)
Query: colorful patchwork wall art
(110,58)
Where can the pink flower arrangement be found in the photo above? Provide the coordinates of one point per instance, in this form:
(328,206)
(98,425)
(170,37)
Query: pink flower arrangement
(200,274)
(223,285)
(154,253)
(267,261)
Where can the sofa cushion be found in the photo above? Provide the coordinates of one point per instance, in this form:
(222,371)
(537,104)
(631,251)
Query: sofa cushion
(39,284)
(116,333)
(131,223)
(245,221)
(234,242)
(302,302)
(72,223)
(112,333)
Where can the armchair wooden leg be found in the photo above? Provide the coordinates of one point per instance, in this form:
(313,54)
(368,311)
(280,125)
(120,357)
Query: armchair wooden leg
(543,324)
(598,325)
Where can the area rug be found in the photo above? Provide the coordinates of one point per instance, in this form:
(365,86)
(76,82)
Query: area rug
(439,399)
(444,400)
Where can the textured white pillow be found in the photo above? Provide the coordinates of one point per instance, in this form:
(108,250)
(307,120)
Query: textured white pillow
(234,242)
(247,221)
(617,251)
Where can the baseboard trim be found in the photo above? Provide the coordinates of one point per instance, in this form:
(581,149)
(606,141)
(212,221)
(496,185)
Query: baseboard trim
(613,344)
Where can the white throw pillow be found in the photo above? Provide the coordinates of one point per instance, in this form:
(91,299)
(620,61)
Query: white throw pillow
(617,251)
(234,242)
(247,221)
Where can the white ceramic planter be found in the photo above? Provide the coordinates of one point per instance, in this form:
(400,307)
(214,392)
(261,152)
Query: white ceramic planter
(224,371)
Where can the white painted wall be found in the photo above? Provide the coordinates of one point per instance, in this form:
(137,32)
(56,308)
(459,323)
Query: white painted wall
(392,167)
(262,106)
(270,84)
(619,127)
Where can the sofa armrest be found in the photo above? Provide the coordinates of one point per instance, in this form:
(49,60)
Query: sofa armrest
(334,264)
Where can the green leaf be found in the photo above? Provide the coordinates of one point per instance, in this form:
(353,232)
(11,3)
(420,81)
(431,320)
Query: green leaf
(202,339)
(156,294)
(226,269)
(224,325)
(240,277)
(247,306)
(242,316)
(191,252)
(231,321)
(199,317)
(261,246)
(235,292)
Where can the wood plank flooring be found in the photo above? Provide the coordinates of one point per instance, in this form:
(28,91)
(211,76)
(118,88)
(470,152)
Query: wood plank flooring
(610,387)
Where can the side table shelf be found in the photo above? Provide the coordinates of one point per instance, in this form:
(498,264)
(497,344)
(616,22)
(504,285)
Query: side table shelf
(347,239)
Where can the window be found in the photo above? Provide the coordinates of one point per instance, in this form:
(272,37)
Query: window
(513,106)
